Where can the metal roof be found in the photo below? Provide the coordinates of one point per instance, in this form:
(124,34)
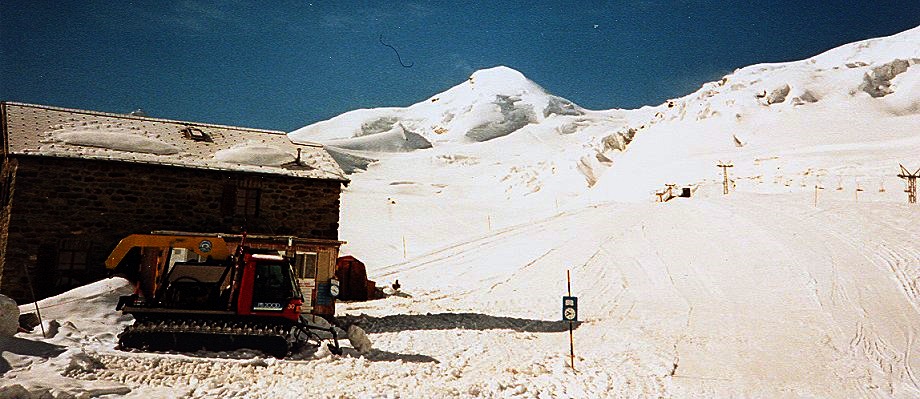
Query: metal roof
(39,130)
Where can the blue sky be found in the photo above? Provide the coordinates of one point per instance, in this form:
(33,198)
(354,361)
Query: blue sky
(285,64)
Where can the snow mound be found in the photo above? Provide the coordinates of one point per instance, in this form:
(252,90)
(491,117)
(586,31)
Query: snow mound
(95,301)
(106,289)
(116,139)
(9,316)
(905,96)
(359,339)
(255,153)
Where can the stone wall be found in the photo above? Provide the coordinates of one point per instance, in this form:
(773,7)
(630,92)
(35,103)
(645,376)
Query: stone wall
(64,209)
(7,179)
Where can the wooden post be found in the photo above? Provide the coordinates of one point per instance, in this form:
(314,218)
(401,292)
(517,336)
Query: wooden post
(817,187)
(405,251)
(568,280)
(725,179)
(35,301)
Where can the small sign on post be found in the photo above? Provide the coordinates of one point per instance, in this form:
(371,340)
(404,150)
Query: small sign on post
(570,308)
(570,314)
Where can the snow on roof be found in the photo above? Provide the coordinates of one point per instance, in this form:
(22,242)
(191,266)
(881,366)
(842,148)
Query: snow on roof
(115,139)
(255,153)
(69,133)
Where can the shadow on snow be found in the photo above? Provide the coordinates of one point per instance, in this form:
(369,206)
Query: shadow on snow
(25,347)
(453,321)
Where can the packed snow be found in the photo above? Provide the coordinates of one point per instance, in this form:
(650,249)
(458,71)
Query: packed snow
(116,139)
(802,282)
(255,153)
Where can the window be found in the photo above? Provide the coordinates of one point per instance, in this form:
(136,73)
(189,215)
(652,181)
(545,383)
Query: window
(305,264)
(242,198)
(72,259)
(71,262)
(247,202)
(271,289)
(183,255)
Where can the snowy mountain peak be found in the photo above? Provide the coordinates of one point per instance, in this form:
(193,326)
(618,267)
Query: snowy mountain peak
(484,85)
(503,79)
(883,69)
(491,103)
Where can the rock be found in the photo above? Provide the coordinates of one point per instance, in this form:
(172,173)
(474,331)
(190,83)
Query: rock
(561,106)
(9,316)
(778,95)
(15,391)
(53,328)
(805,97)
(877,82)
(358,339)
(28,321)
(65,395)
(513,117)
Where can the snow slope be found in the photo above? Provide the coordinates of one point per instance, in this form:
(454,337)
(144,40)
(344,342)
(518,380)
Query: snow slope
(673,304)
(777,290)
(826,131)
(848,114)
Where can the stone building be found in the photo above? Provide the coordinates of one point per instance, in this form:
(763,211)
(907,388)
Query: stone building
(76,182)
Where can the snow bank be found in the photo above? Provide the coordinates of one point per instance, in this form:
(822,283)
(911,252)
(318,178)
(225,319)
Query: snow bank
(905,96)
(255,153)
(116,139)
(9,316)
